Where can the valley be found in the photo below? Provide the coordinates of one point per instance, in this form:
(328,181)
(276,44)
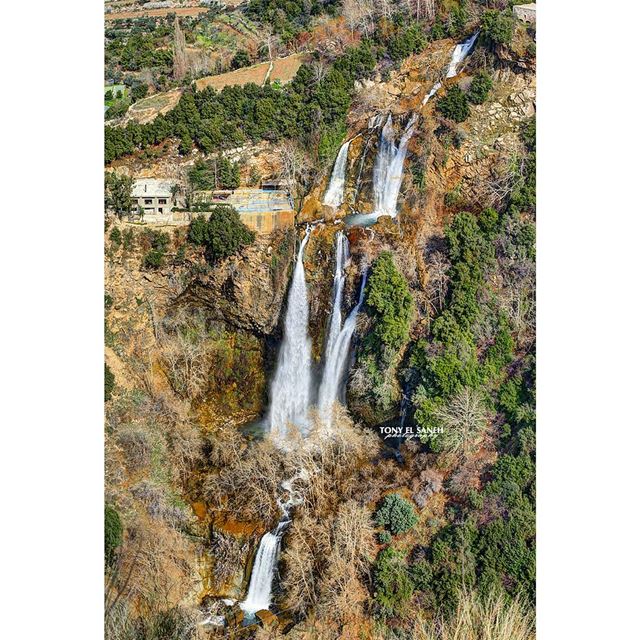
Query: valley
(320,327)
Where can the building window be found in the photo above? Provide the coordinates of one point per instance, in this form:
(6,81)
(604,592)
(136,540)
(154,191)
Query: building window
(162,201)
(148,201)
(159,209)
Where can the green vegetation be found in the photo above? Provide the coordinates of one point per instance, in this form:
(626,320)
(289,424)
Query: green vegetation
(241,59)
(117,190)
(112,534)
(222,234)
(215,173)
(396,514)
(392,582)
(480,87)
(384,537)
(287,17)
(304,109)
(109,382)
(116,237)
(139,91)
(390,303)
(406,40)
(156,244)
(476,362)
(497,28)
(454,104)
(390,308)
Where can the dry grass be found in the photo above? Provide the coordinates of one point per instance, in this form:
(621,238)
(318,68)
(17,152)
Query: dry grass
(490,619)
(284,70)
(147,109)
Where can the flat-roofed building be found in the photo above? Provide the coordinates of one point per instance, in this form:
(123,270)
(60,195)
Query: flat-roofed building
(263,210)
(153,199)
(525,12)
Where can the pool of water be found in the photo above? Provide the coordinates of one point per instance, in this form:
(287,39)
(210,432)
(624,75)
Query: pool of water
(361,219)
(255,430)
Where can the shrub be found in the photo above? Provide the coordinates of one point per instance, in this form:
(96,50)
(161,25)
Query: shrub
(480,87)
(384,537)
(392,581)
(116,237)
(222,235)
(154,259)
(128,239)
(216,173)
(497,28)
(389,298)
(240,59)
(112,534)
(109,382)
(396,514)
(407,40)
(454,105)
(139,91)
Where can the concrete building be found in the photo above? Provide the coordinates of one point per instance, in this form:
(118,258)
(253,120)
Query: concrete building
(152,199)
(263,210)
(525,12)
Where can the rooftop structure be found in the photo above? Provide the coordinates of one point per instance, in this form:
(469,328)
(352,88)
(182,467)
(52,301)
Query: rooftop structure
(525,12)
(262,210)
(153,197)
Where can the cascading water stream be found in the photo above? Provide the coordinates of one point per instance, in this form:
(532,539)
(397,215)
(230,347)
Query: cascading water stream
(460,53)
(431,93)
(388,167)
(339,341)
(291,387)
(334,195)
(260,585)
(266,561)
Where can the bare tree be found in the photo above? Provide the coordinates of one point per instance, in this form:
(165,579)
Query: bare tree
(465,421)
(360,15)
(438,268)
(319,69)
(179,52)
(295,166)
(183,351)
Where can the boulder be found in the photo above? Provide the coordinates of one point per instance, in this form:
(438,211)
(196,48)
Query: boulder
(266,618)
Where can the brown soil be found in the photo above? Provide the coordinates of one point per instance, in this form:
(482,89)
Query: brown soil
(284,70)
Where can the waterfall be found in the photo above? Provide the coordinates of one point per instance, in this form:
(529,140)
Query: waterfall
(291,387)
(260,585)
(388,167)
(460,53)
(266,561)
(339,340)
(431,93)
(334,195)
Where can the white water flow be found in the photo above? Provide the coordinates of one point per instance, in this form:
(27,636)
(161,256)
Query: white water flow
(291,387)
(388,167)
(261,583)
(460,53)
(334,195)
(431,93)
(339,342)
(266,561)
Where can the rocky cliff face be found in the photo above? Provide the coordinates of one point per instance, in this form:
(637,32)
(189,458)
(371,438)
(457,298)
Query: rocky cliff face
(224,318)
